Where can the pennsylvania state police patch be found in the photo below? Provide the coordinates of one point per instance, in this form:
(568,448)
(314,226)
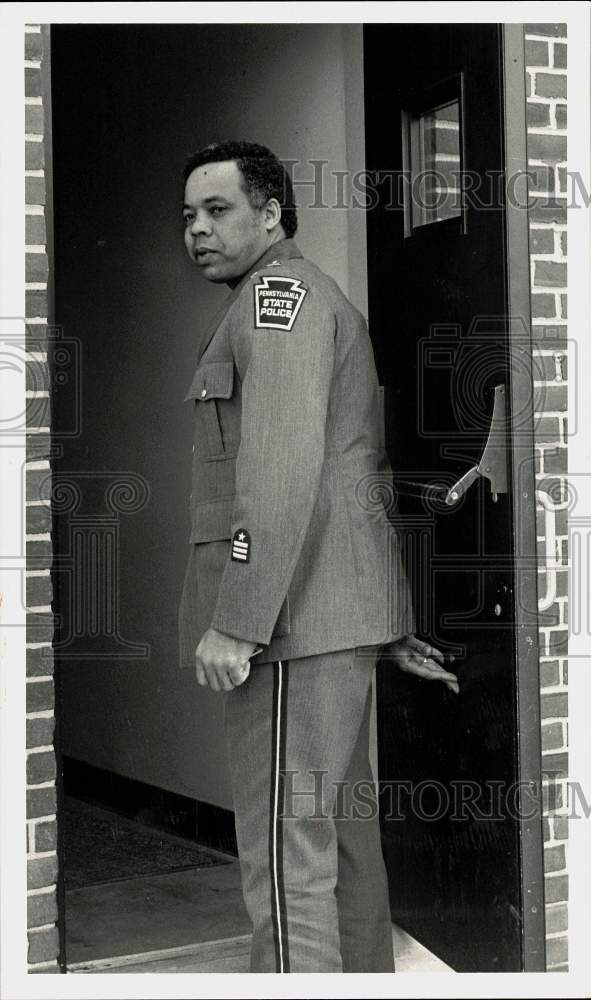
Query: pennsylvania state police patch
(277,302)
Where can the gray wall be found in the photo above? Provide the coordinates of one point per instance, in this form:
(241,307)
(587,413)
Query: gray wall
(129,104)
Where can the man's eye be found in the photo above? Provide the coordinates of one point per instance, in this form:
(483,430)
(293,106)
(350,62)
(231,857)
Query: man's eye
(218,209)
(187,219)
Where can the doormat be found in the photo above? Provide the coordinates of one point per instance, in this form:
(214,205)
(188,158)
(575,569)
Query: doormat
(98,849)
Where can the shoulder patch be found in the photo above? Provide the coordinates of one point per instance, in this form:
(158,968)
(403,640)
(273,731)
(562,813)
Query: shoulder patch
(277,302)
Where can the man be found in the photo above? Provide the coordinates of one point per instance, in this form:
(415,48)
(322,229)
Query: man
(294,563)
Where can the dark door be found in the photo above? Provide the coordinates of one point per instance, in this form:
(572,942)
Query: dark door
(448,764)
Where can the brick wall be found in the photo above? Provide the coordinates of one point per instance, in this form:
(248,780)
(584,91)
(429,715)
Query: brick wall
(41,763)
(545,57)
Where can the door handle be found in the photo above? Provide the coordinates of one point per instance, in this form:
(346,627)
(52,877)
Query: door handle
(494,462)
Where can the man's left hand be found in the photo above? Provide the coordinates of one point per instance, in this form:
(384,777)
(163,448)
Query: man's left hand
(221,661)
(417,657)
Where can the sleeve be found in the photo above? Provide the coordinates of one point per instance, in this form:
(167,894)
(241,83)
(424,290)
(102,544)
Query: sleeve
(288,346)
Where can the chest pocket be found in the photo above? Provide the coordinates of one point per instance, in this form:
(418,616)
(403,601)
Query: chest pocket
(212,382)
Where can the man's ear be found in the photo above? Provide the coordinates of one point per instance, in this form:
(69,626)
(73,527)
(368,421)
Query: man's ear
(272,214)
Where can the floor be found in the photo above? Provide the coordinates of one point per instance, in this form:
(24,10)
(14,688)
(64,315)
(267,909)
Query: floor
(187,921)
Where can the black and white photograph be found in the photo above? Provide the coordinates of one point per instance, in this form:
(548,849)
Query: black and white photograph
(295,628)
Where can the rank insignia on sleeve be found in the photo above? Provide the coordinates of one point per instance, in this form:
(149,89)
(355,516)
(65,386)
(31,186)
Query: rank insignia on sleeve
(277,302)
(241,546)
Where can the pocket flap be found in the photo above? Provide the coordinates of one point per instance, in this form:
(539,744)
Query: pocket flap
(212,521)
(214,380)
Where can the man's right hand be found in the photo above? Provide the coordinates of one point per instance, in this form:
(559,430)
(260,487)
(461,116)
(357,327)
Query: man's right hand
(221,661)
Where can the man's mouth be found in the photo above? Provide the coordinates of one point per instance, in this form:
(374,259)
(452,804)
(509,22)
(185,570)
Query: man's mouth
(204,253)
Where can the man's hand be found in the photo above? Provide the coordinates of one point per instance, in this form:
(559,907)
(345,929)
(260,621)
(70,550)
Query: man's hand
(221,661)
(419,658)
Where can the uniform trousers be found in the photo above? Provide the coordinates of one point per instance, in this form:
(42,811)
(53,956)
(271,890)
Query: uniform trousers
(313,873)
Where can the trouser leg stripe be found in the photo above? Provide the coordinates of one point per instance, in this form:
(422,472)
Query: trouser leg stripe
(278,907)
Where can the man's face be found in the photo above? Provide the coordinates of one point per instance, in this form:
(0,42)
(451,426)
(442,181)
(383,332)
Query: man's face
(224,234)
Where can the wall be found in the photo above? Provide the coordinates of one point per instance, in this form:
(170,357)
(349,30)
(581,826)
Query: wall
(545,56)
(41,764)
(129,103)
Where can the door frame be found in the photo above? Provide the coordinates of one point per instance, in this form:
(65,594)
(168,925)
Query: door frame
(512,75)
(529,749)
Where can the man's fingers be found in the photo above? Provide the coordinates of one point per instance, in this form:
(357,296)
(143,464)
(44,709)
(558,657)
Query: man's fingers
(200,672)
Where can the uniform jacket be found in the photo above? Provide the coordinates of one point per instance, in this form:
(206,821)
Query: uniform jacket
(290,546)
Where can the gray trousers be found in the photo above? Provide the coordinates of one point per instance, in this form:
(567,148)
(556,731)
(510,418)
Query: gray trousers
(313,874)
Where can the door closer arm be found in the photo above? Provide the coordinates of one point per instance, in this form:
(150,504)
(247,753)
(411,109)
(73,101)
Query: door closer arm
(494,462)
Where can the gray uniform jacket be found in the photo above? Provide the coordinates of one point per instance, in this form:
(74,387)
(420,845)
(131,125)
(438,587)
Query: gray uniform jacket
(291,546)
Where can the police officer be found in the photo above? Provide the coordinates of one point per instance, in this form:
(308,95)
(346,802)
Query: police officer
(293,565)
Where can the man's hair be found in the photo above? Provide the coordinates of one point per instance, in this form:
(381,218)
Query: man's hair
(264,175)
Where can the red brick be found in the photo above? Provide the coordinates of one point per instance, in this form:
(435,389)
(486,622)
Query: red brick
(39,554)
(41,909)
(40,732)
(35,190)
(560,56)
(541,240)
(555,765)
(550,397)
(41,802)
(549,273)
(40,767)
(544,367)
(33,46)
(34,119)
(552,736)
(543,305)
(554,706)
(38,520)
(546,147)
(550,336)
(41,872)
(536,53)
(551,84)
(558,642)
(40,696)
(562,179)
(564,306)
(38,446)
(46,836)
(35,231)
(561,116)
(549,674)
(40,626)
(39,661)
(43,945)
(560,827)
(39,591)
(35,305)
(554,858)
(38,414)
(36,267)
(556,888)
(547,429)
(38,484)
(36,372)
(556,919)
(541,178)
(547,208)
(556,951)
(34,156)
(33,82)
(552,797)
(538,116)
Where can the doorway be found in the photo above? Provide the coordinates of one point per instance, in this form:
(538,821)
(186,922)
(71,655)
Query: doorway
(138,741)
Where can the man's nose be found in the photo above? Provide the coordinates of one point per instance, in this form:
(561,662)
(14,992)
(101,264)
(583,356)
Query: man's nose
(201,225)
